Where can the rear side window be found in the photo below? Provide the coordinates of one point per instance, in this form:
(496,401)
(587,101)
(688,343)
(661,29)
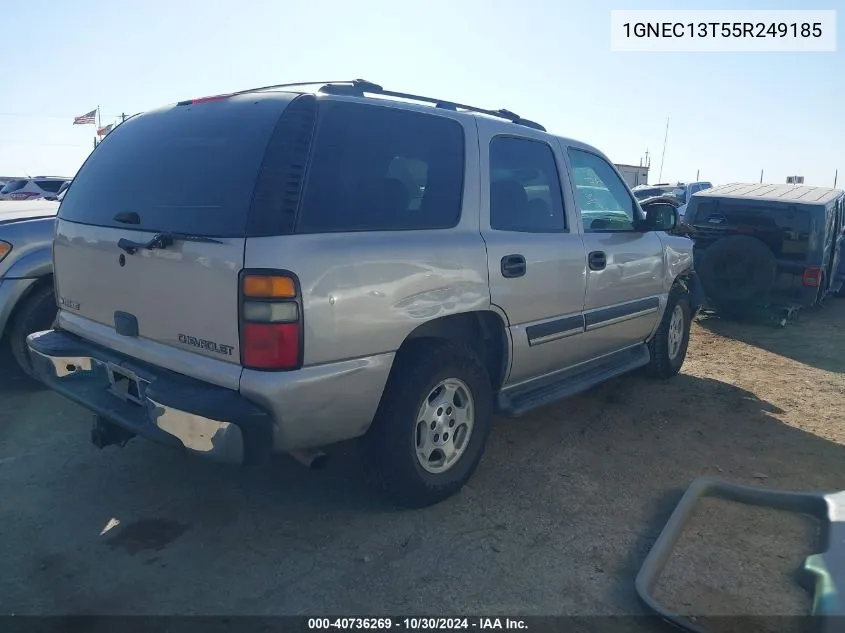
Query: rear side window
(52,186)
(189,169)
(13,185)
(377,168)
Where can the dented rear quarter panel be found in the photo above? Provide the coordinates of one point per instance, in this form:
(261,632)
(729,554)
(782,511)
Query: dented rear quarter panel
(368,301)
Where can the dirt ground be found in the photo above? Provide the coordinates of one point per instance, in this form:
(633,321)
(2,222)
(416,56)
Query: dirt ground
(557,520)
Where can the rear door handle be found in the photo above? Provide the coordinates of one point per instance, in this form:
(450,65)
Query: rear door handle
(513,266)
(597,260)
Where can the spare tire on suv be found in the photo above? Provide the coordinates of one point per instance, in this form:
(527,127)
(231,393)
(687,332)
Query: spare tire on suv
(737,269)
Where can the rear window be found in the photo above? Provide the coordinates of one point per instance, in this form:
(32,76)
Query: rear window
(189,169)
(377,168)
(758,214)
(13,185)
(52,186)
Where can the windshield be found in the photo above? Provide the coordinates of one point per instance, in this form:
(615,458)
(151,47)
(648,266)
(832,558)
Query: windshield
(13,185)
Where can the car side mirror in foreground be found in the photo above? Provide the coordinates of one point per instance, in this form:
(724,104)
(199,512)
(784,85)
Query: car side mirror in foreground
(661,216)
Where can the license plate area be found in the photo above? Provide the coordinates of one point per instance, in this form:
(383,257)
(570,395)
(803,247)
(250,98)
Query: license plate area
(124,384)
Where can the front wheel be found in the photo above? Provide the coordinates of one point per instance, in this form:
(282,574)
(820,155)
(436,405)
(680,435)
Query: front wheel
(669,345)
(429,433)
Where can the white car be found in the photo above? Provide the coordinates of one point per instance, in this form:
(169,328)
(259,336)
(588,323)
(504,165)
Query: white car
(32,188)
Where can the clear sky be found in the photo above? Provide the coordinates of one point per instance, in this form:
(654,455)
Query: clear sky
(732,114)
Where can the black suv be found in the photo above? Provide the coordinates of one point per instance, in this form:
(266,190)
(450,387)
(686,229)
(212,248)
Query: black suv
(763,244)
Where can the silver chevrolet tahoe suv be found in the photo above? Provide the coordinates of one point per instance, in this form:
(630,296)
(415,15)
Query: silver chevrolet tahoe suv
(279,269)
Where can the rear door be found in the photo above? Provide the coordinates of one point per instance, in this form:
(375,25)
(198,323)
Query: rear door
(624,265)
(188,170)
(536,261)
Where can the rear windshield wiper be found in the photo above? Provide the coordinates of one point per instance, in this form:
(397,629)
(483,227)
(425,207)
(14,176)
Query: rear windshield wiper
(162,240)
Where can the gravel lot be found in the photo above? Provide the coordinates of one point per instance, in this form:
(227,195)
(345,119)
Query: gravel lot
(557,520)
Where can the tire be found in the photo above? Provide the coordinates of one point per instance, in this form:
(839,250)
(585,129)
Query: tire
(35,313)
(668,346)
(737,269)
(397,431)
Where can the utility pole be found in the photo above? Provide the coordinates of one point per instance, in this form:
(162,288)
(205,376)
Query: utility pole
(663,155)
(122,117)
(835,178)
(696,174)
(761,176)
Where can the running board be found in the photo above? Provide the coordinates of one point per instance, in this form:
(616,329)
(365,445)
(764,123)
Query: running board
(542,391)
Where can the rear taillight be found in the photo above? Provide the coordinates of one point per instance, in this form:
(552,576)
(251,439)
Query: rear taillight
(271,321)
(812,277)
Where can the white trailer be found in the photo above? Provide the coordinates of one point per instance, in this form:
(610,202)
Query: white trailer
(633,174)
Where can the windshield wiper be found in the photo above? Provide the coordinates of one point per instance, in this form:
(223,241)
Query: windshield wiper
(162,240)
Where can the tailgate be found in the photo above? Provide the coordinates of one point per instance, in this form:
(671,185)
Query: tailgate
(185,296)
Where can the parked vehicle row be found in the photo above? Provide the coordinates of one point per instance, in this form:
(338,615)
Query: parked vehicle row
(683,192)
(41,187)
(219,319)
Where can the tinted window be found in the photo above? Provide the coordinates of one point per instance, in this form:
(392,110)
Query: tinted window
(377,168)
(188,169)
(13,185)
(601,195)
(52,186)
(524,187)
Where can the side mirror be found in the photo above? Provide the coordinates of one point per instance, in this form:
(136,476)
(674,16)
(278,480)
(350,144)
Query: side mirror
(661,216)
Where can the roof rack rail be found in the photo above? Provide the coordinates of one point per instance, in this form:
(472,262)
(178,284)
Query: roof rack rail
(298,84)
(360,87)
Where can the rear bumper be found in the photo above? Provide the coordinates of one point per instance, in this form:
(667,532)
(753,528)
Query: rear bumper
(170,409)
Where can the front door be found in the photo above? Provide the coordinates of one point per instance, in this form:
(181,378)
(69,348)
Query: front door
(625,268)
(535,263)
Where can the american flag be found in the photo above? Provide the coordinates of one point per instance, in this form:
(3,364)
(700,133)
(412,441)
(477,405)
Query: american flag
(86,119)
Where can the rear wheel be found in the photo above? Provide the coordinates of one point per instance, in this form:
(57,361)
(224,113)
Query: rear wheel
(35,313)
(429,433)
